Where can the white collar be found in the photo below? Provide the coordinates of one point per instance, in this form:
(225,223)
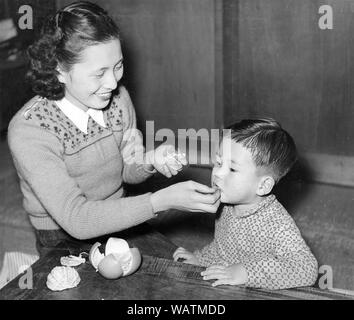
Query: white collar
(78,116)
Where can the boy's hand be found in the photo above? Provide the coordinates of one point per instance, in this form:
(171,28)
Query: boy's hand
(166,160)
(188,257)
(235,274)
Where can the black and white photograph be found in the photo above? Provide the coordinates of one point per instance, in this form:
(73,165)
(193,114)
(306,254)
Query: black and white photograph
(180,152)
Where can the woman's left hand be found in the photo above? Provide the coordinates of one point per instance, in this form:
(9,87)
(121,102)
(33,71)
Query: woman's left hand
(166,160)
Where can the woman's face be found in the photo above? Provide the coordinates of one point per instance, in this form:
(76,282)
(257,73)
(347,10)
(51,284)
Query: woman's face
(90,82)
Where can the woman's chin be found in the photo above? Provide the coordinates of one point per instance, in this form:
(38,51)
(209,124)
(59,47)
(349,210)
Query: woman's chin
(100,104)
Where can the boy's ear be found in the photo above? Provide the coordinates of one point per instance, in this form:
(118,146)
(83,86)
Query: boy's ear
(265,185)
(61,74)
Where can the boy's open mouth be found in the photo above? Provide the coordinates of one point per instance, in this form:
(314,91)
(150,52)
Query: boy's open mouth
(214,185)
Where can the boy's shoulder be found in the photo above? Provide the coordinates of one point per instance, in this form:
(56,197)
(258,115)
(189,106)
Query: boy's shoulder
(278,217)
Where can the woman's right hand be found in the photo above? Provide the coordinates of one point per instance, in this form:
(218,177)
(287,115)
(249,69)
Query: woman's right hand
(186,255)
(186,196)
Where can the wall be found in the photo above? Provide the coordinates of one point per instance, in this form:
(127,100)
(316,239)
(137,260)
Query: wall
(12,72)
(284,66)
(40,8)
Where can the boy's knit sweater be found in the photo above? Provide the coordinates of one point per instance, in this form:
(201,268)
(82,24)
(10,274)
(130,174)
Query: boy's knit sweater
(73,180)
(267,242)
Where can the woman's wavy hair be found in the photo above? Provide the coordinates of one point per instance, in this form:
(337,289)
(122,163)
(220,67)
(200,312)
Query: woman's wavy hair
(61,40)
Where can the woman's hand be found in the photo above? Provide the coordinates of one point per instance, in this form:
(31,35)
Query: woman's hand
(166,160)
(188,256)
(235,274)
(186,196)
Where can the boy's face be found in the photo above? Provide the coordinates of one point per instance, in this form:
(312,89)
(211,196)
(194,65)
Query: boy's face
(236,174)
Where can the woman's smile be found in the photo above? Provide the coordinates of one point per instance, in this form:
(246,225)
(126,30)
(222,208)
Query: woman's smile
(105,95)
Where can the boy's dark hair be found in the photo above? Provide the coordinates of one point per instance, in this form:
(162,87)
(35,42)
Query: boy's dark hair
(61,41)
(270,145)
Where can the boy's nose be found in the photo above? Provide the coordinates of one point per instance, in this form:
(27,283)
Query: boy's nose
(217,176)
(219,172)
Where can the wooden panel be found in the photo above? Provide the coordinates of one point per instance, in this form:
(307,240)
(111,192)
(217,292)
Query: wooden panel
(14,91)
(12,76)
(330,169)
(287,68)
(4,9)
(231,62)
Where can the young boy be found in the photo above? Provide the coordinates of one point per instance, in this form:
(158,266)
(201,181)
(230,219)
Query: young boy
(256,242)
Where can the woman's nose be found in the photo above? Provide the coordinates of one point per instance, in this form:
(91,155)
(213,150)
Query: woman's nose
(111,81)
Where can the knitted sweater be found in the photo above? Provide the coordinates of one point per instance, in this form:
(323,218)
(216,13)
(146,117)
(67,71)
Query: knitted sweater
(72,180)
(267,242)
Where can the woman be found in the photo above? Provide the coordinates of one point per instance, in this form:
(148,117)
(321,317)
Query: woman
(76,143)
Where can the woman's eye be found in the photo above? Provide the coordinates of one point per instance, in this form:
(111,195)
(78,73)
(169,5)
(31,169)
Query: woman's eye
(233,170)
(119,66)
(99,75)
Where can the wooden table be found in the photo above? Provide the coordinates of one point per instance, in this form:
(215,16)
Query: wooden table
(159,277)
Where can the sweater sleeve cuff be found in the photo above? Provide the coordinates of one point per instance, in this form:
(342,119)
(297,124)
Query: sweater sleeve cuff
(149,171)
(144,172)
(198,255)
(147,206)
(135,173)
(254,271)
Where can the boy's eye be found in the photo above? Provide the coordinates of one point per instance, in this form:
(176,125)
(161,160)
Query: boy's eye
(233,170)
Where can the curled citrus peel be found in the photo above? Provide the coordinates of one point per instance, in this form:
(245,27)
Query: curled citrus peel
(72,261)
